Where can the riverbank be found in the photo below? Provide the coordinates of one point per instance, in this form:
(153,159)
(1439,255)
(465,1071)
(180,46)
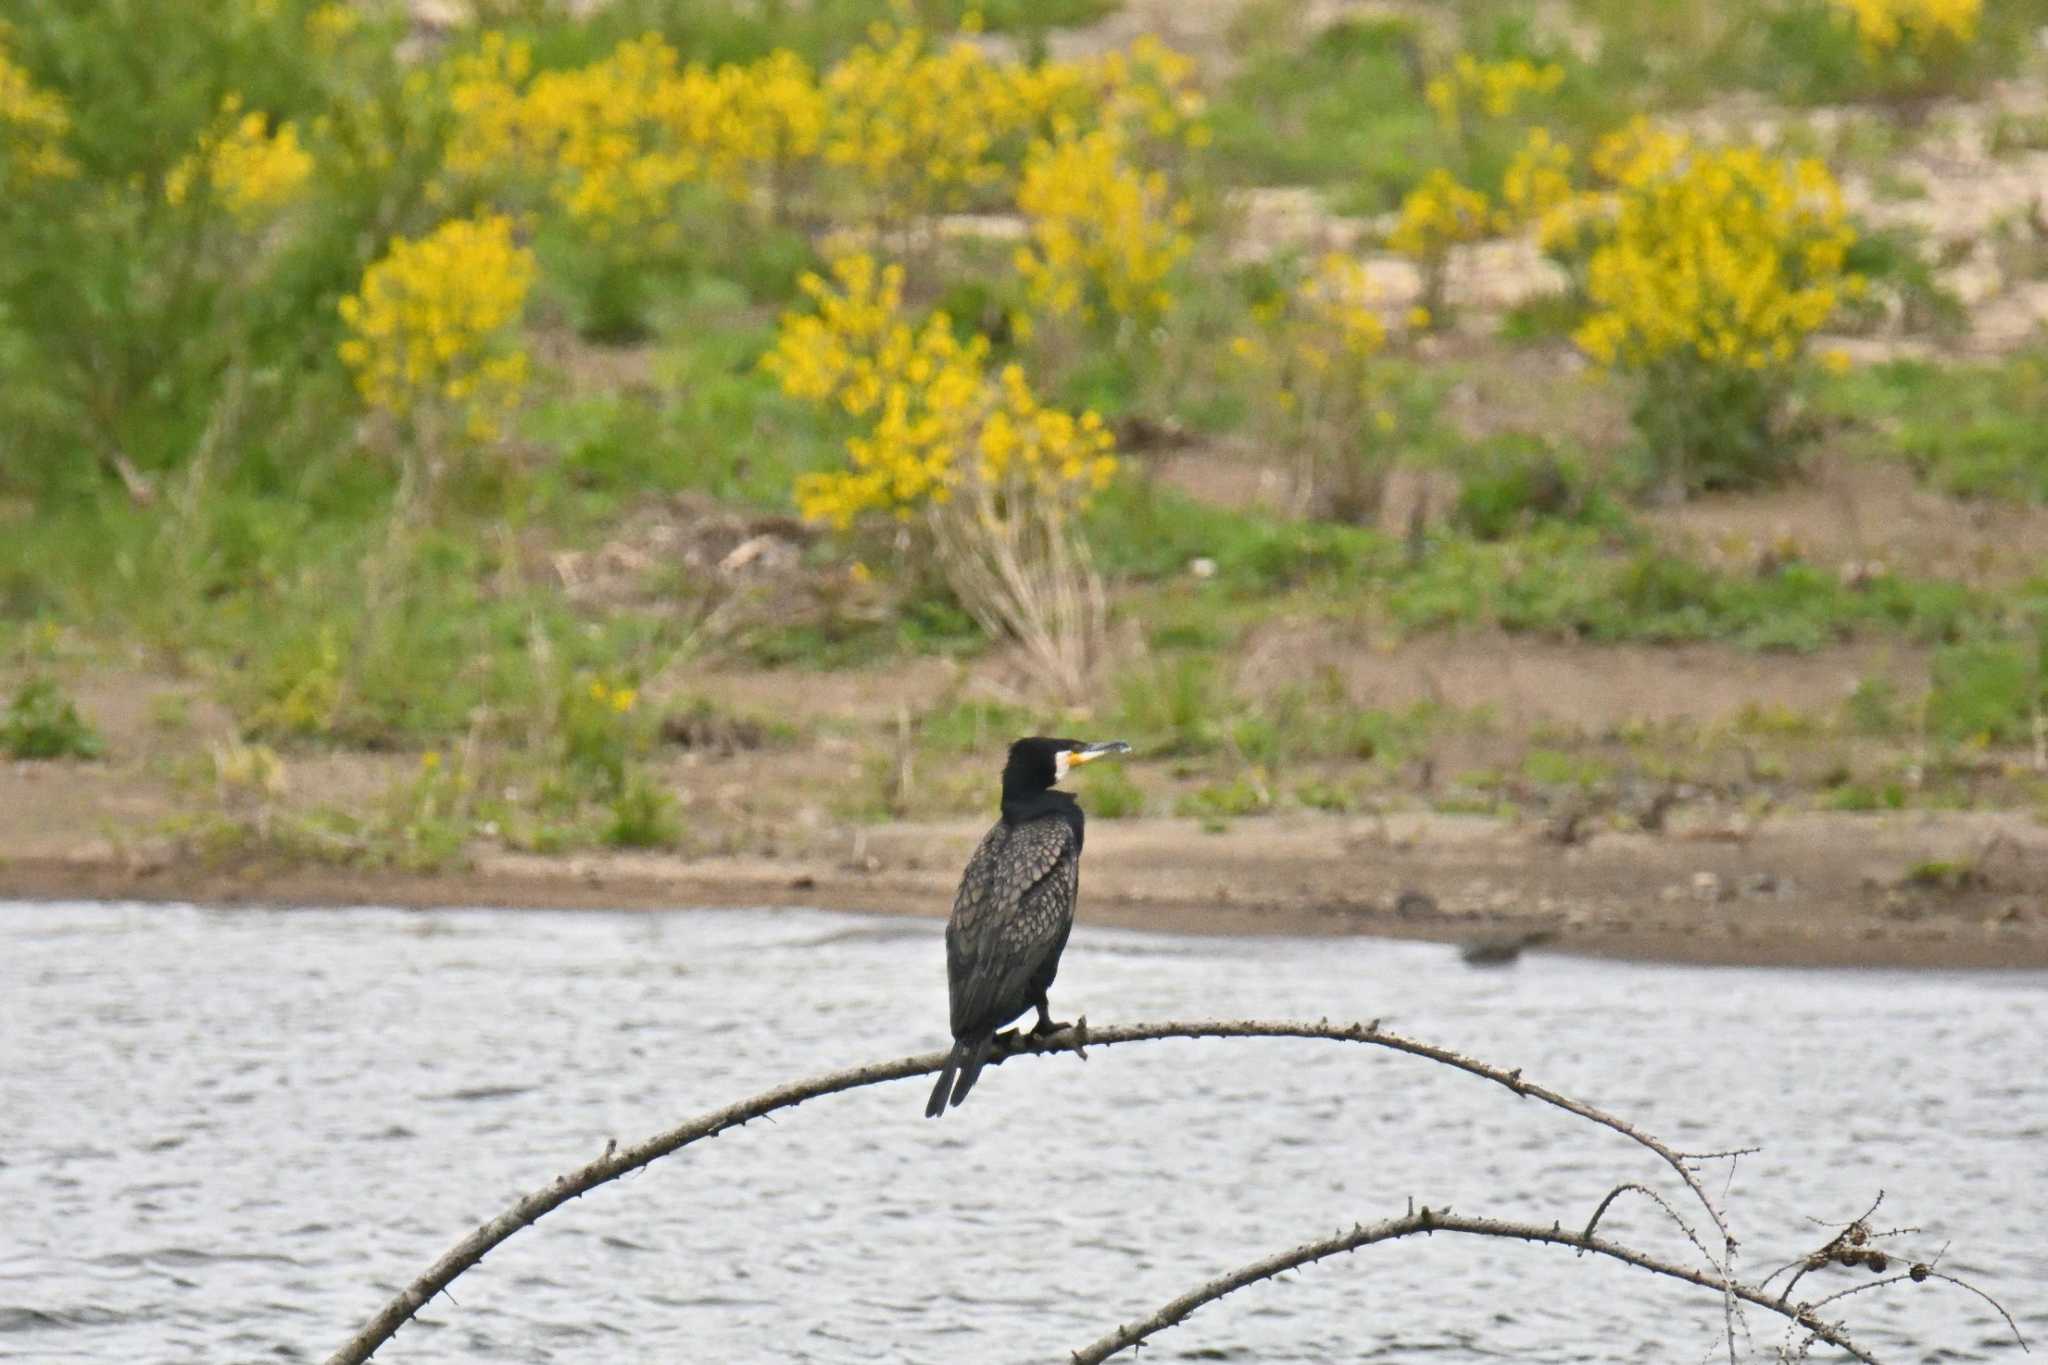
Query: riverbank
(1924,890)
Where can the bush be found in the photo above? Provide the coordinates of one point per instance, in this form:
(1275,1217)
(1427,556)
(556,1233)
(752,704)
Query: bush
(42,722)
(177,271)
(1508,488)
(1716,268)
(643,815)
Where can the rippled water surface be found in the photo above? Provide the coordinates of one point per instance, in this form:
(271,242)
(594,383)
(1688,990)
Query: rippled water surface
(226,1136)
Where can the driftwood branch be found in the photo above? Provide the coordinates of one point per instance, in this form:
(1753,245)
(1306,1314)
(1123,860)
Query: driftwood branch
(1431,1221)
(617,1161)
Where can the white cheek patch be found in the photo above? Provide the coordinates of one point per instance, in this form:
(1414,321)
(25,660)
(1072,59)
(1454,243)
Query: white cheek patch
(1062,761)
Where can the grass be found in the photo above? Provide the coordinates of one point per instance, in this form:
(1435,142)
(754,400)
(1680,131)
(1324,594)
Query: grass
(1342,109)
(1972,430)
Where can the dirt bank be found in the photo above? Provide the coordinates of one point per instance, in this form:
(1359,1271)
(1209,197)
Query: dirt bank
(1908,890)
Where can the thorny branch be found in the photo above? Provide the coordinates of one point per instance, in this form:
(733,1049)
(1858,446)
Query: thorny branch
(617,1161)
(1430,1221)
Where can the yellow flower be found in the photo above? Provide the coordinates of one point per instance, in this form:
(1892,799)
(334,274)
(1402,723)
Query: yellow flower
(1438,214)
(931,415)
(1315,357)
(1494,88)
(329,25)
(1104,235)
(1538,180)
(33,124)
(429,324)
(1924,26)
(1637,153)
(1732,256)
(250,168)
(1835,360)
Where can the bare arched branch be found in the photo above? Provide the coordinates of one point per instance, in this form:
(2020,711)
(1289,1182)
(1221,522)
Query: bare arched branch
(618,1161)
(1429,1221)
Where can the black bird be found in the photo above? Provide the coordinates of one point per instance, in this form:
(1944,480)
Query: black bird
(1015,907)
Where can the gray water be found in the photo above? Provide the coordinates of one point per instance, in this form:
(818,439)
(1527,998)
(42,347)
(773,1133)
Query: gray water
(227,1136)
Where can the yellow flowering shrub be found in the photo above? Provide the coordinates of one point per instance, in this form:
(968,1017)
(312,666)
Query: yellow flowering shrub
(937,128)
(1706,283)
(33,124)
(1104,235)
(923,127)
(615,141)
(915,126)
(486,89)
(994,473)
(427,330)
(330,25)
(1492,89)
(1148,93)
(250,168)
(932,416)
(1537,183)
(1637,153)
(1311,362)
(1435,216)
(1735,256)
(1922,26)
(1629,157)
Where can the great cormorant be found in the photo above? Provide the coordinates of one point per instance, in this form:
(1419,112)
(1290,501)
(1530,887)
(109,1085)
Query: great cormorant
(1015,907)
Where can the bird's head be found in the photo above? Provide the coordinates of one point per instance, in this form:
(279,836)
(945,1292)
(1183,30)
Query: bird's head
(1038,763)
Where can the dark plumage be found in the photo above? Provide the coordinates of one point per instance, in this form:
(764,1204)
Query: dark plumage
(1014,909)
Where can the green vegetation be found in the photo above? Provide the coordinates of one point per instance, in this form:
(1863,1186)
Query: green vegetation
(1972,431)
(42,722)
(222,468)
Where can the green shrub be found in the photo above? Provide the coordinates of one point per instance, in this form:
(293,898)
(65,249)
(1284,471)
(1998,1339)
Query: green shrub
(166,322)
(42,722)
(1507,487)
(643,815)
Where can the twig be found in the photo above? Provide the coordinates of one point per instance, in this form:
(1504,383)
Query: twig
(1917,1273)
(1425,1220)
(1631,1187)
(472,1249)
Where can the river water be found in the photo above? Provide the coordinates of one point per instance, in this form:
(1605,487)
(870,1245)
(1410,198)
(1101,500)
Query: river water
(227,1135)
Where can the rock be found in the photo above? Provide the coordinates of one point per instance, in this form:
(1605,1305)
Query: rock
(1708,886)
(759,553)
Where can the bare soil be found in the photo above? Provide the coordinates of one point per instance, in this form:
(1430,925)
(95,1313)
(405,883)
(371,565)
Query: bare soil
(1718,880)
(1820,890)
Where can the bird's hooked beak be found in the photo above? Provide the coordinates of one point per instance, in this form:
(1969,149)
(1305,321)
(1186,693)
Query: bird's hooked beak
(1088,753)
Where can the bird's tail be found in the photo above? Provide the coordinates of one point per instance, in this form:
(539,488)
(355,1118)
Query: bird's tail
(957,1076)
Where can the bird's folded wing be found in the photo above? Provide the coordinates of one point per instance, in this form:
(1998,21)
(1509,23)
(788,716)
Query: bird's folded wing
(1009,914)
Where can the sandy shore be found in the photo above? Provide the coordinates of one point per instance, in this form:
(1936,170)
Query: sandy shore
(1941,890)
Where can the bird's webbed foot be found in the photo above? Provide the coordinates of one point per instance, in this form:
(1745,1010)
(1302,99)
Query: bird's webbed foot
(1047,1026)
